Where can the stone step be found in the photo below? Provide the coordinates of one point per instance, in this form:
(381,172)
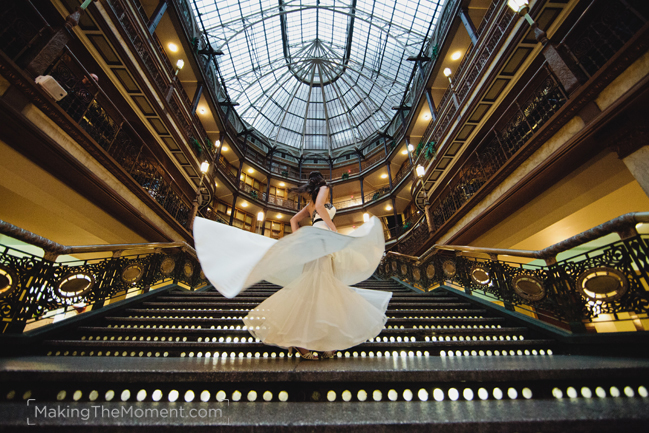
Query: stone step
(202,322)
(473,370)
(476,348)
(438,309)
(578,415)
(205,332)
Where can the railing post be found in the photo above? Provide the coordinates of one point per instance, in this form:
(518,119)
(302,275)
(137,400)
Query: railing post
(499,278)
(570,304)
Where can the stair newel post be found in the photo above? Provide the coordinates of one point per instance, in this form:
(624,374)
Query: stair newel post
(570,305)
(464,267)
(154,264)
(638,250)
(39,279)
(500,280)
(109,279)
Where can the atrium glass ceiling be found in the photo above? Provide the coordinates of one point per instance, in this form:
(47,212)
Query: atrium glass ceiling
(317,74)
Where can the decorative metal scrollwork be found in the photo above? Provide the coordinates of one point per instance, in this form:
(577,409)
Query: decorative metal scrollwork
(167,266)
(528,287)
(133,273)
(188,269)
(9,281)
(430,271)
(404,269)
(602,284)
(203,277)
(480,275)
(449,268)
(74,285)
(394,265)
(416,274)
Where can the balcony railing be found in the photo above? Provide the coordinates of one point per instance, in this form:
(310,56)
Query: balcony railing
(156,63)
(606,280)
(93,110)
(520,121)
(475,60)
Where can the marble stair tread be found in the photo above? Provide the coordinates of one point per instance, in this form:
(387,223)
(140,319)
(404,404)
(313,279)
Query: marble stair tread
(176,347)
(392,369)
(549,416)
(243,332)
(200,321)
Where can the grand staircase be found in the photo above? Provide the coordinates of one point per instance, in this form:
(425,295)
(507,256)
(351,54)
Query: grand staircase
(443,363)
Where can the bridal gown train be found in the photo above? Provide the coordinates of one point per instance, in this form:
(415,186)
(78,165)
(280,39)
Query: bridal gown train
(315,309)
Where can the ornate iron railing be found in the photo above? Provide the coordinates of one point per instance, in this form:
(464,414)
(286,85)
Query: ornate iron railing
(476,59)
(34,288)
(156,63)
(610,25)
(611,279)
(92,109)
(500,145)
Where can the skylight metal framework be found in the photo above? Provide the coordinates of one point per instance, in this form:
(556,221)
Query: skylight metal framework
(317,75)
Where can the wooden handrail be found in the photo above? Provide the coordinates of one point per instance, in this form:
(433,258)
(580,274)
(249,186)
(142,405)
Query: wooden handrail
(54,249)
(624,225)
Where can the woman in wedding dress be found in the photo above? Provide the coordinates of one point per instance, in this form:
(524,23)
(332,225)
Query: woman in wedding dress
(316,310)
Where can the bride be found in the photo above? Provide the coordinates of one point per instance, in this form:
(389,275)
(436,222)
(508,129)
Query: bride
(315,310)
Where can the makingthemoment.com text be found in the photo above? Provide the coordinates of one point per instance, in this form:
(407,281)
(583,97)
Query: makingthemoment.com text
(125,411)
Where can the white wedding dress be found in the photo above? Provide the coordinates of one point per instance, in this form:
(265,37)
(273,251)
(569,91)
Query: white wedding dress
(315,309)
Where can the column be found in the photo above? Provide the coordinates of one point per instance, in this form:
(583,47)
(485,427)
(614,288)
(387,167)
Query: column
(267,189)
(362,193)
(638,164)
(158,13)
(397,226)
(429,99)
(468,25)
(429,219)
(238,185)
(387,164)
(197,97)
(408,148)
(234,203)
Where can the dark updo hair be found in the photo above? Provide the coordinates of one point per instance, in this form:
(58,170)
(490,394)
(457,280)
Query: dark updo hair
(316,180)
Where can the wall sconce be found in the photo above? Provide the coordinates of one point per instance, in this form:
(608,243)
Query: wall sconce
(420,170)
(366,217)
(260,216)
(217,143)
(411,148)
(447,73)
(204,167)
(179,65)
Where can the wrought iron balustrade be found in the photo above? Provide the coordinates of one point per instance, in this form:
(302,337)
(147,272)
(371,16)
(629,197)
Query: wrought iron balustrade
(610,25)
(36,288)
(92,109)
(289,203)
(347,203)
(493,29)
(377,195)
(520,121)
(607,280)
(21,27)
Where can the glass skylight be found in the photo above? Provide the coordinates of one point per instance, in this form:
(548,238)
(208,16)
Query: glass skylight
(317,74)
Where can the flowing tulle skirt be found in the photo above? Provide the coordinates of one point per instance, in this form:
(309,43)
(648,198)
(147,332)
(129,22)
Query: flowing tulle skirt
(316,309)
